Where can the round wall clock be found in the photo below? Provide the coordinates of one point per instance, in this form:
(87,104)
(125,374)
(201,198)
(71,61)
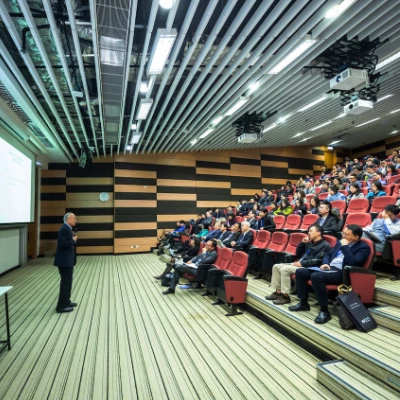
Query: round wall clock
(104,196)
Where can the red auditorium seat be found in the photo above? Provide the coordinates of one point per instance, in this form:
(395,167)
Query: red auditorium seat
(293,222)
(230,286)
(331,240)
(309,197)
(213,222)
(396,259)
(294,240)
(364,183)
(388,189)
(277,244)
(396,190)
(308,220)
(345,192)
(323,196)
(239,218)
(340,204)
(392,180)
(279,221)
(254,236)
(317,190)
(379,203)
(358,206)
(364,191)
(362,219)
(262,240)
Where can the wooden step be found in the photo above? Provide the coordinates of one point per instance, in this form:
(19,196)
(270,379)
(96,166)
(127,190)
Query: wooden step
(351,383)
(375,351)
(387,316)
(387,291)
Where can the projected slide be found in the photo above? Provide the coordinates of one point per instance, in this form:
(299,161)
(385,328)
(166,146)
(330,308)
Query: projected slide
(15,184)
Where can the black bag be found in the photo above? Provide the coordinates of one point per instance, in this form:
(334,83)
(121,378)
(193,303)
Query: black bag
(356,310)
(166,280)
(344,319)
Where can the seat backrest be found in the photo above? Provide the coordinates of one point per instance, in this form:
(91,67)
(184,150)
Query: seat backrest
(331,240)
(379,203)
(213,221)
(224,258)
(278,241)
(323,196)
(238,265)
(317,190)
(364,183)
(308,220)
(294,240)
(396,190)
(362,219)
(262,239)
(309,197)
(293,221)
(340,204)
(388,189)
(392,180)
(254,236)
(368,261)
(239,218)
(364,191)
(279,221)
(358,206)
(345,192)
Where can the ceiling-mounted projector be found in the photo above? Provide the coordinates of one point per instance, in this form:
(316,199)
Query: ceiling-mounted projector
(358,107)
(248,138)
(350,79)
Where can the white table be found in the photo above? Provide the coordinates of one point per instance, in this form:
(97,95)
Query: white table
(4,291)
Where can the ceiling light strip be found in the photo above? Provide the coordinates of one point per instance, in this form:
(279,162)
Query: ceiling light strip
(368,122)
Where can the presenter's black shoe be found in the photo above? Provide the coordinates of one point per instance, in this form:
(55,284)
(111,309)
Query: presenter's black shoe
(300,307)
(72,304)
(169,291)
(64,309)
(323,317)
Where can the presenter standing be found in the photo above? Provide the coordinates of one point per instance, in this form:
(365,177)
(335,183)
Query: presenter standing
(65,260)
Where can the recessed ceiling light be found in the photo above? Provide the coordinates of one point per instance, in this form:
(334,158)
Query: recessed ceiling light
(393,132)
(254,86)
(164,41)
(312,104)
(144,108)
(166,4)
(388,60)
(194,141)
(339,9)
(303,140)
(236,107)
(272,126)
(143,87)
(136,138)
(322,125)
(206,133)
(217,120)
(281,120)
(134,126)
(129,148)
(394,111)
(336,141)
(368,122)
(384,97)
(340,116)
(329,147)
(299,134)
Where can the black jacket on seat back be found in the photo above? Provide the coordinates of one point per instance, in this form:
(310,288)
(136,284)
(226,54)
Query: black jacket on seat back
(311,254)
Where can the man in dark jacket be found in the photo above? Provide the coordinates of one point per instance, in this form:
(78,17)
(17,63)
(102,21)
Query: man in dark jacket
(206,258)
(309,252)
(349,251)
(244,240)
(328,221)
(65,260)
(265,222)
(228,236)
(252,220)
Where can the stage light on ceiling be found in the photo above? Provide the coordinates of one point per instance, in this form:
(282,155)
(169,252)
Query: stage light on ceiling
(136,138)
(144,88)
(129,148)
(161,49)
(388,60)
(166,4)
(193,142)
(217,120)
(322,125)
(329,147)
(236,107)
(144,108)
(312,104)
(368,122)
(292,56)
(335,11)
(133,127)
(206,133)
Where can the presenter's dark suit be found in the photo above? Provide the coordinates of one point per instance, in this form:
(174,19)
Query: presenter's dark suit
(65,260)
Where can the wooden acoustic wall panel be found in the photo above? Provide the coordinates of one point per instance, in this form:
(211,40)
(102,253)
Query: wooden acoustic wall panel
(52,203)
(95,219)
(135,202)
(380,149)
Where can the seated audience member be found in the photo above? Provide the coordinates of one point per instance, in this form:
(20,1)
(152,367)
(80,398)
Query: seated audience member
(269,199)
(198,224)
(353,179)
(300,208)
(383,167)
(342,177)
(265,222)
(350,250)
(310,252)
(357,172)
(324,187)
(230,221)
(262,202)
(284,208)
(256,197)
(317,184)
(302,196)
(252,220)
(273,207)
(329,222)
(338,183)
(227,237)
(368,174)
(314,205)
(390,171)
(383,227)
(394,154)
(168,238)
(354,192)
(396,162)
(255,209)
(244,240)
(309,189)
(334,194)
(187,254)
(289,188)
(208,220)
(203,261)
(376,177)
(376,191)
(217,213)
(214,234)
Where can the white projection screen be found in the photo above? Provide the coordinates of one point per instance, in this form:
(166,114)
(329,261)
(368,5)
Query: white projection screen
(17,182)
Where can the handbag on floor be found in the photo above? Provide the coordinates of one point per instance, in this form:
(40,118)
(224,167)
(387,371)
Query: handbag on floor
(356,310)
(345,321)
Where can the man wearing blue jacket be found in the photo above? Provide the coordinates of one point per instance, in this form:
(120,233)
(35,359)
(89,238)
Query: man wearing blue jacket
(348,251)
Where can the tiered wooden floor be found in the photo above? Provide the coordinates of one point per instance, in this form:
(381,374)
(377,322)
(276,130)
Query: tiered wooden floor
(371,366)
(127,341)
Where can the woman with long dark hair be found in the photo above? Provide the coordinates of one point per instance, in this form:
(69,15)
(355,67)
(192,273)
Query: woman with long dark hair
(354,192)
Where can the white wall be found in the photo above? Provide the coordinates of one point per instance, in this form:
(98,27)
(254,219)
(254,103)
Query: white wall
(9,249)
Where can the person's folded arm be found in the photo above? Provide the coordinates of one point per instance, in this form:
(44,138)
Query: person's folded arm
(65,241)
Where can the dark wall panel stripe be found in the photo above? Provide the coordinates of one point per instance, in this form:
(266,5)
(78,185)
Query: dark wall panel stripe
(269,157)
(273,172)
(58,166)
(48,235)
(136,218)
(95,170)
(101,226)
(52,196)
(208,164)
(53,181)
(175,204)
(135,211)
(219,191)
(52,219)
(135,181)
(318,152)
(176,189)
(210,197)
(136,234)
(369,147)
(245,161)
(176,210)
(393,146)
(135,196)
(176,175)
(95,242)
(213,178)
(94,211)
(135,166)
(300,163)
(90,188)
